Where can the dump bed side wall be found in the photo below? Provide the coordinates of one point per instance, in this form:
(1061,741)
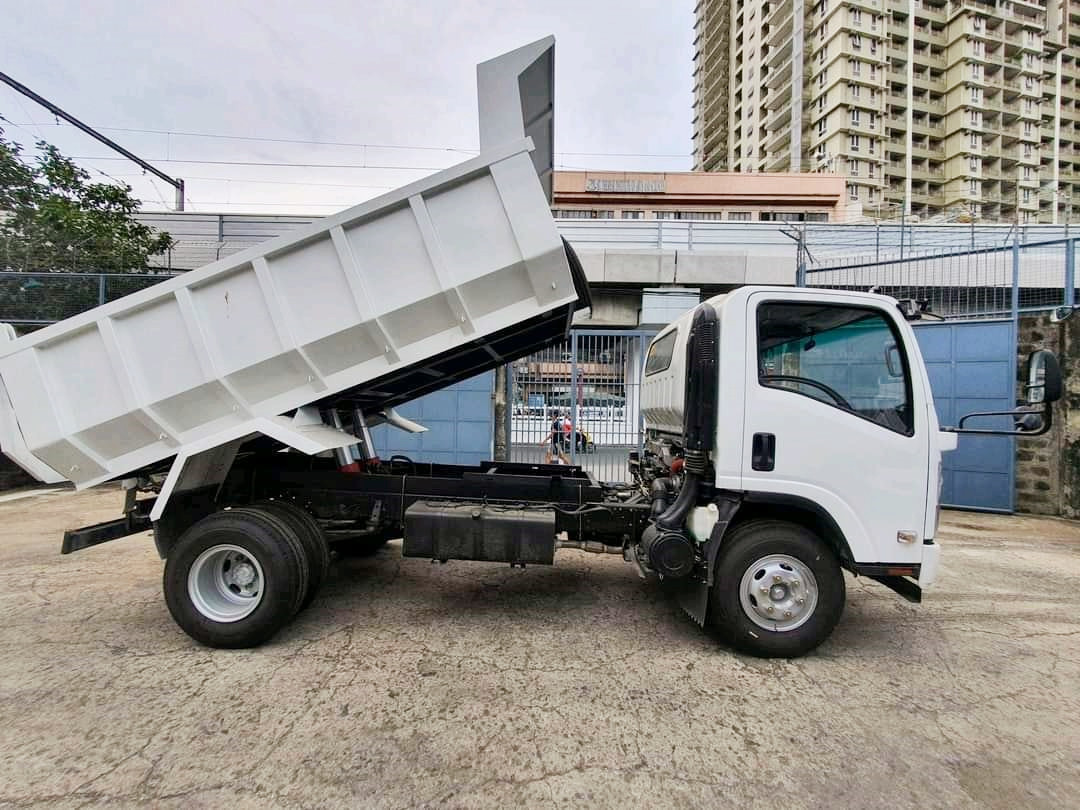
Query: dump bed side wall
(382,286)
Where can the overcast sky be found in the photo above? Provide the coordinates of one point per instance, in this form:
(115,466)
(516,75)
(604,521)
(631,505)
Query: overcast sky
(388,74)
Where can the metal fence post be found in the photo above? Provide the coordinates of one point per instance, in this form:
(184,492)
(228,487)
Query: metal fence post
(800,261)
(643,347)
(1070,273)
(101,289)
(1016,281)
(573,398)
(511,377)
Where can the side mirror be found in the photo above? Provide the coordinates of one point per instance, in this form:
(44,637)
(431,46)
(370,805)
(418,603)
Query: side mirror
(1060,314)
(1035,417)
(1027,422)
(1044,378)
(893,362)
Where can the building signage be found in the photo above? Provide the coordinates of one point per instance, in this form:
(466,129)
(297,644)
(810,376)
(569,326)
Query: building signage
(626,186)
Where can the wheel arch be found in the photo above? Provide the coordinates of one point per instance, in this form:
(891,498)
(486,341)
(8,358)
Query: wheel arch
(792,509)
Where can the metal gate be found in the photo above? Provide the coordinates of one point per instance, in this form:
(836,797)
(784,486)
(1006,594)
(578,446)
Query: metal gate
(970,369)
(578,402)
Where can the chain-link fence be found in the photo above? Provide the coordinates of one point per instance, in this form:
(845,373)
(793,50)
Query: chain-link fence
(32,300)
(990,282)
(92,256)
(42,282)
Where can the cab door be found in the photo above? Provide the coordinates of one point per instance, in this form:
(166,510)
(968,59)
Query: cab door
(835,417)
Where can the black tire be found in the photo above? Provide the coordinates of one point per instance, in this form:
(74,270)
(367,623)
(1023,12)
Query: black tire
(264,538)
(311,537)
(757,540)
(363,545)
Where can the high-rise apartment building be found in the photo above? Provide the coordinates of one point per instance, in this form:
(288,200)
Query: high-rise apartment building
(938,108)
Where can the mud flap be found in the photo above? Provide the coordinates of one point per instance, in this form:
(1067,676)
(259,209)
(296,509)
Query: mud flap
(693,597)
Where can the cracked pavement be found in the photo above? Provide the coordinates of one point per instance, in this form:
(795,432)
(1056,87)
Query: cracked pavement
(408,684)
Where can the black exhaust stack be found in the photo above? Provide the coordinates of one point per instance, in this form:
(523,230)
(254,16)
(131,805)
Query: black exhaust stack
(666,544)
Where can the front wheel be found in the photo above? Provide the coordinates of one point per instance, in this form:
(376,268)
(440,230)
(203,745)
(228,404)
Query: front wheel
(778,590)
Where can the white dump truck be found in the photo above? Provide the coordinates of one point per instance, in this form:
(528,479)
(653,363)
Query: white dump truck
(791,433)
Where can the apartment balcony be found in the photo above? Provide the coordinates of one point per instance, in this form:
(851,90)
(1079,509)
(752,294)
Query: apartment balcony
(927,151)
(1069,113)
(778,140)
(779,117)
(896,122)
(924,172)
(1011,87)
(929,35)
(992,104)
(927,198)
(780,20)
(873,6)
(924,127)
(780,75)
(926,81)
(1010,134)
(780,53)
(779,94)
(897,53)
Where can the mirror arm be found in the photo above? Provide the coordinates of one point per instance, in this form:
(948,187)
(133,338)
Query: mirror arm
(1045,412)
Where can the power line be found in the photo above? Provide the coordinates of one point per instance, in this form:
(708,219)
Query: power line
(282,164)
(338,205)
(306,142)
(274,182)
(57,111)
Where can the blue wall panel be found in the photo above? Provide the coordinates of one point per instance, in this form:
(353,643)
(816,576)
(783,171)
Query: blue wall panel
(970,368)
(459,422)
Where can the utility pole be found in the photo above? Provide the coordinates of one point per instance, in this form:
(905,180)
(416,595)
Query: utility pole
(176,183)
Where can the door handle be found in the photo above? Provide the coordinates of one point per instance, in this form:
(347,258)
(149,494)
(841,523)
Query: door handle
(763,452)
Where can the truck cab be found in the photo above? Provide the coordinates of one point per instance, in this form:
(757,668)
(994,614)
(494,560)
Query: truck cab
(826,437)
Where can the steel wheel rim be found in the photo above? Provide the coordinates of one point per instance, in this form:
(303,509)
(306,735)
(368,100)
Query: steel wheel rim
(778,592)
(226,583)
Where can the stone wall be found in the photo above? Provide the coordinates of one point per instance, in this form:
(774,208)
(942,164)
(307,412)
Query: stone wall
(1048,467)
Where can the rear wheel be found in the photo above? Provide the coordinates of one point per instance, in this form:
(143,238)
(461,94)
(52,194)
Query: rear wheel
(778,591)
(311,538)
(235,578)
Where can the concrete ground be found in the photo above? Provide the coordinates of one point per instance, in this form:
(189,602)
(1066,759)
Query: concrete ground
(468,685)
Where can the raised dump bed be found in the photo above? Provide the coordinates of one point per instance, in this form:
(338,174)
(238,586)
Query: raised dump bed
(375,305)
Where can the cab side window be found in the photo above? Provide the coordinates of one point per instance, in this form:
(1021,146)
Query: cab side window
(846,357)
(660,352)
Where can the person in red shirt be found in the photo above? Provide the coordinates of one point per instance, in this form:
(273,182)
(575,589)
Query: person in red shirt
(558,440)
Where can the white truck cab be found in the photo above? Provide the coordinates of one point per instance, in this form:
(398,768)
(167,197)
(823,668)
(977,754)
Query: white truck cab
(823,400)
(826,444)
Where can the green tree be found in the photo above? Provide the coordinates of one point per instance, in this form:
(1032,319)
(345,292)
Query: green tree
(52,218)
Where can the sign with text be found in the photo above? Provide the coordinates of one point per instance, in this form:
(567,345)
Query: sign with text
(626,186)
